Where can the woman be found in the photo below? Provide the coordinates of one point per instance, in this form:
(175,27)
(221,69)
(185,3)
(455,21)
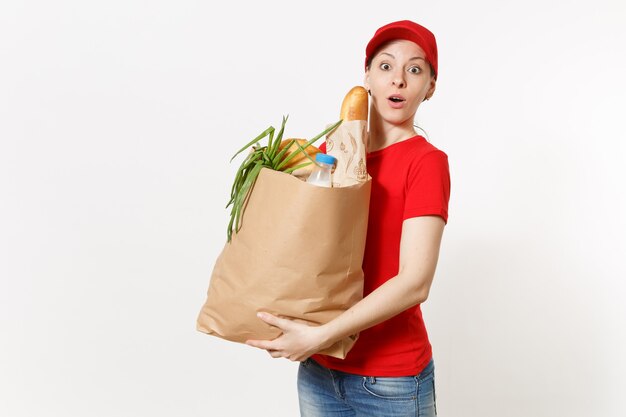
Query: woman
(390,370)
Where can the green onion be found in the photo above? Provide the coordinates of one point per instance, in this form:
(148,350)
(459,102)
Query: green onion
(259,158)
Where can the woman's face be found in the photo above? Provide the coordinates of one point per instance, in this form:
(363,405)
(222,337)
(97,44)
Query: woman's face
(399,79)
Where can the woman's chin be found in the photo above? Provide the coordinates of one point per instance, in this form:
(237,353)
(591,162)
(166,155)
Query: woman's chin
(398,120)
(392,117)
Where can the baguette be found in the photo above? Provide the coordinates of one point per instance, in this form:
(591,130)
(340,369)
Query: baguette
(355,105)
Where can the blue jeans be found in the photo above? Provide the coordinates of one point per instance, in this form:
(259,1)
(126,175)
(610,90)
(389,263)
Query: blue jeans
(324,392)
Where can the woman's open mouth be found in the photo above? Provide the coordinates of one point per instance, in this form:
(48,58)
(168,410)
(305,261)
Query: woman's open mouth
(396,101)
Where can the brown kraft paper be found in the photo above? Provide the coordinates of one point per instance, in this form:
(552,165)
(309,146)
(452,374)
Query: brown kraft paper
(298,255)
(348,143)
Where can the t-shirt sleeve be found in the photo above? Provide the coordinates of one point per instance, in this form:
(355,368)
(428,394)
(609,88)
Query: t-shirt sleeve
(428,187)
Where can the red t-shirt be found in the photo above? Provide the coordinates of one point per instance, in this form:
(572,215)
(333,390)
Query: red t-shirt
(409,179)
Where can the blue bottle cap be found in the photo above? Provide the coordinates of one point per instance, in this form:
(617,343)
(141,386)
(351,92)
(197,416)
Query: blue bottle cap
(325,158)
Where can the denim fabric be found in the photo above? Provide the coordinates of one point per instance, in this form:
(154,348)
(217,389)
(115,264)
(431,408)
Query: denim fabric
(324,392)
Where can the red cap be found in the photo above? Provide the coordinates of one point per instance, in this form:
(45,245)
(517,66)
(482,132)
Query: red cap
(411,31)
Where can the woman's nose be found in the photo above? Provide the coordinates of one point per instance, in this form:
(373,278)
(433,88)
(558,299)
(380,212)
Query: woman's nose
(398,80)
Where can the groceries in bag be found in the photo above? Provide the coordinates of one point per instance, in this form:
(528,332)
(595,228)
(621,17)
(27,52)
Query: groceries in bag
(277,156)
(267,264)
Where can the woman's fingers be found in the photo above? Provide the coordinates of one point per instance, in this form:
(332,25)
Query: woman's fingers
(269,345)
(262,344)
(273,320)
(279,347)
(275,354)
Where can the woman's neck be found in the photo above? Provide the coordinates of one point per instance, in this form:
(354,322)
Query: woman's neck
(383,134)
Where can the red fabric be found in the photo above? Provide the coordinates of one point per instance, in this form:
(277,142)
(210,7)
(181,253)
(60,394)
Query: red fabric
(409,179)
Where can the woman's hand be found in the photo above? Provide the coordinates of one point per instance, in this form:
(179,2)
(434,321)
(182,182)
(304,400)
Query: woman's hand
(419,252)
(297,342)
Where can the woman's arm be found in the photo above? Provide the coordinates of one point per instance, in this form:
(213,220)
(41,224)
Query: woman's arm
(419,252)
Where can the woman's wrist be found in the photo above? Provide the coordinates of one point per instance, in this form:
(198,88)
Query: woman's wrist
(326,338)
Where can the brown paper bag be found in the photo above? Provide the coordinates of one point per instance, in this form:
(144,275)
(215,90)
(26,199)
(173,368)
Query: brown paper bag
(298,255)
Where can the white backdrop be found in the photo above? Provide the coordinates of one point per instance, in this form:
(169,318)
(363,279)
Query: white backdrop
(117,121)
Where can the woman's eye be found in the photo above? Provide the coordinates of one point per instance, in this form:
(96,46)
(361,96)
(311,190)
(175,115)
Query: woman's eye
(385,66)
(415,70)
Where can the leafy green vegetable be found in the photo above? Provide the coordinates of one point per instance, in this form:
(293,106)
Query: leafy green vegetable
(263,157)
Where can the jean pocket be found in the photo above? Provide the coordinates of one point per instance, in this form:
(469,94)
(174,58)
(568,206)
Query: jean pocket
(391,388)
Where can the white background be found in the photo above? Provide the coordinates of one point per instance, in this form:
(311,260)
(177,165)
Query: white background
(117,122)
